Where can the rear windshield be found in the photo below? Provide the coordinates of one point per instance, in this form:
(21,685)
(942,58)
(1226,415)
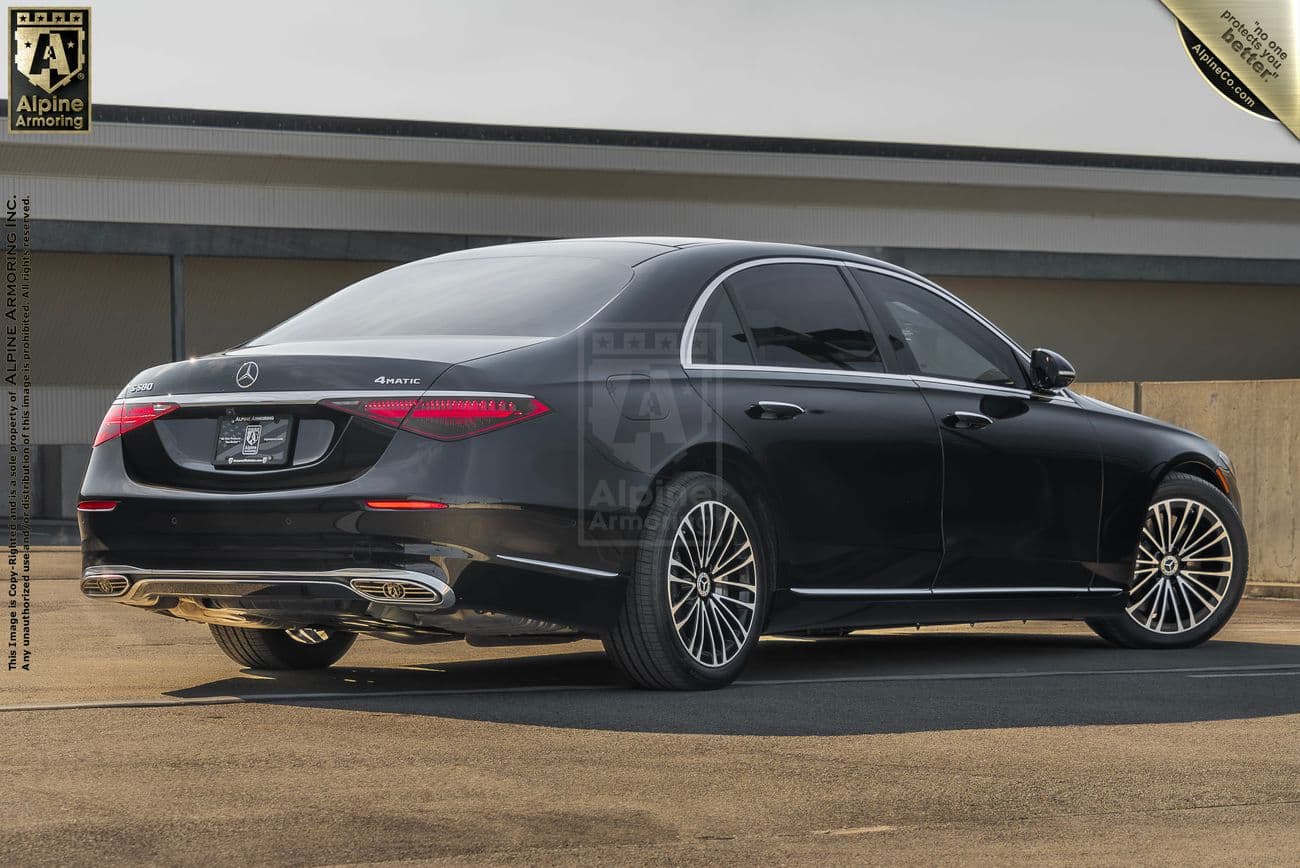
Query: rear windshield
(537,296)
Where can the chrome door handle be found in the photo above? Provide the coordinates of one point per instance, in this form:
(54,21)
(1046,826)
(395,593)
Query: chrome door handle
(773,410)
(968,421)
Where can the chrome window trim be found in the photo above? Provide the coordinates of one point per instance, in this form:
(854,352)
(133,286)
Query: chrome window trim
(692,323)
(1063,397)
(315,396)
(891,379)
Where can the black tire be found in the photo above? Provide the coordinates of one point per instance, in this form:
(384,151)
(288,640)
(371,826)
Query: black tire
(275,649)
(645,645)
(1123,630)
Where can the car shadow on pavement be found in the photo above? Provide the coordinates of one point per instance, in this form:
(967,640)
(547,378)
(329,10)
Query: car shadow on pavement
(854,685)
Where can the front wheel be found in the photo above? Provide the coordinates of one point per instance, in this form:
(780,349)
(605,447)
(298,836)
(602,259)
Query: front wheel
(282,649)
(697,596)
(1189,572)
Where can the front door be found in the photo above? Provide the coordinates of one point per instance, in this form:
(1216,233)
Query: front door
(1022,471)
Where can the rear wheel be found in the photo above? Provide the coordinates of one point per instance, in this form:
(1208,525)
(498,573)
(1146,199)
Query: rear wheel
(697,597)
(282,649)
(1189,573)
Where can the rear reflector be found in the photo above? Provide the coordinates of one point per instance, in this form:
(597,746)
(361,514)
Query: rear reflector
(97,506)
(444,417)
(405,504)
(122,418)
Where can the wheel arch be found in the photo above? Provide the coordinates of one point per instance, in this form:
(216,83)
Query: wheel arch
(1202,468)
(739,469)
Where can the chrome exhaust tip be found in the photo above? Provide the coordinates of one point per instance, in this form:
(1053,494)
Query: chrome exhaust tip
(404,592)
(104,585)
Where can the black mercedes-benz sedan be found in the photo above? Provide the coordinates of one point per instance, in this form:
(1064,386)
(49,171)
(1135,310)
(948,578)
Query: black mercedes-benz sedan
(674,445)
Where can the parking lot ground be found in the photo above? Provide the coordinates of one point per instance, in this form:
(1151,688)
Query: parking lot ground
(136,740)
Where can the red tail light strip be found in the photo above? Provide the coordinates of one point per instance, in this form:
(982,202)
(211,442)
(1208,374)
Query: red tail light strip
(97,506)
(122,418)
(444,416)
(405,504)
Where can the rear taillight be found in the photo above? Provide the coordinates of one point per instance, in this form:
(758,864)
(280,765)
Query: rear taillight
(406,504)
(444,417)
(122,418)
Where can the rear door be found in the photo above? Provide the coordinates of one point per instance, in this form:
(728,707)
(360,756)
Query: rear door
(786,354)
(1022,471)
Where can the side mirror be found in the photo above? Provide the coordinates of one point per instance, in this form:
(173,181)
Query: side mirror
(1049,371)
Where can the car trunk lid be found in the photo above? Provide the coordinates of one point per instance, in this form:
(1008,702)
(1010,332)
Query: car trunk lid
(274,417)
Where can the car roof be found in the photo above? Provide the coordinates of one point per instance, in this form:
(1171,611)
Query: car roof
(633,250)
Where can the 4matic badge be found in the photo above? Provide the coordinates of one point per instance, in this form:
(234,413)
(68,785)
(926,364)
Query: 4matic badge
(397,381)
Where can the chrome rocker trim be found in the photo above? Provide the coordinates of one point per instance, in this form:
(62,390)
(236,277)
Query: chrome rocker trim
(552,565)
(929,593)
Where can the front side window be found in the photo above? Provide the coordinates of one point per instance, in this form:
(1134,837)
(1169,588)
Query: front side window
(804,316)
(943,339)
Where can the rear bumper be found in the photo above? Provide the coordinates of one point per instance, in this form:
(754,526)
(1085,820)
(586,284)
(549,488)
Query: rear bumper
(140,587)
(400,604)
(498,558)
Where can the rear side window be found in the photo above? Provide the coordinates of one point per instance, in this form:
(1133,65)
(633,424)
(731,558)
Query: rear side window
(944,340)
(537,296)
(804,316)
(720,339)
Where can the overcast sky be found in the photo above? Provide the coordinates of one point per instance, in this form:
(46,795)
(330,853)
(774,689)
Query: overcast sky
(1101,75)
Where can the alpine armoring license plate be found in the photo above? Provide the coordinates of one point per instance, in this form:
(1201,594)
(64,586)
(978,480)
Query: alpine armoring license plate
(253,441)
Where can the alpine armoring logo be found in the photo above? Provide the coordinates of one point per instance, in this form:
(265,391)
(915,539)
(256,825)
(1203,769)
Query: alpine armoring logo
(49,72)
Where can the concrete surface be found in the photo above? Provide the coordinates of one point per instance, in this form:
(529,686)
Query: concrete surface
(136,741)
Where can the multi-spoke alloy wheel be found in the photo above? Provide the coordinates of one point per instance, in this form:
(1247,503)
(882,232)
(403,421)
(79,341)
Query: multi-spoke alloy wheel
(1189,571)
(1184,566)
(712,589)
(698,592)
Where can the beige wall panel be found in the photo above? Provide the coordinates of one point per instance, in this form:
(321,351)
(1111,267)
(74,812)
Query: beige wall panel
(1117,394)
(1116,330)
(98,320)
(1258,425)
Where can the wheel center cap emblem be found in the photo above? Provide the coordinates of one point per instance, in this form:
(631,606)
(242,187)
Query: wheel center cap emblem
(246,375)
(1168,565)
(703,584)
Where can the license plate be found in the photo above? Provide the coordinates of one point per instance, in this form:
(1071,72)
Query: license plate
(253,441)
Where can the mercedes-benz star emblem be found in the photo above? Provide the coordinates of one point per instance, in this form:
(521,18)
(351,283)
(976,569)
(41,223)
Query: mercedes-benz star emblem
(246,375)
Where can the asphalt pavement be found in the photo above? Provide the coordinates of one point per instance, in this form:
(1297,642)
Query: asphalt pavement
(134,740)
